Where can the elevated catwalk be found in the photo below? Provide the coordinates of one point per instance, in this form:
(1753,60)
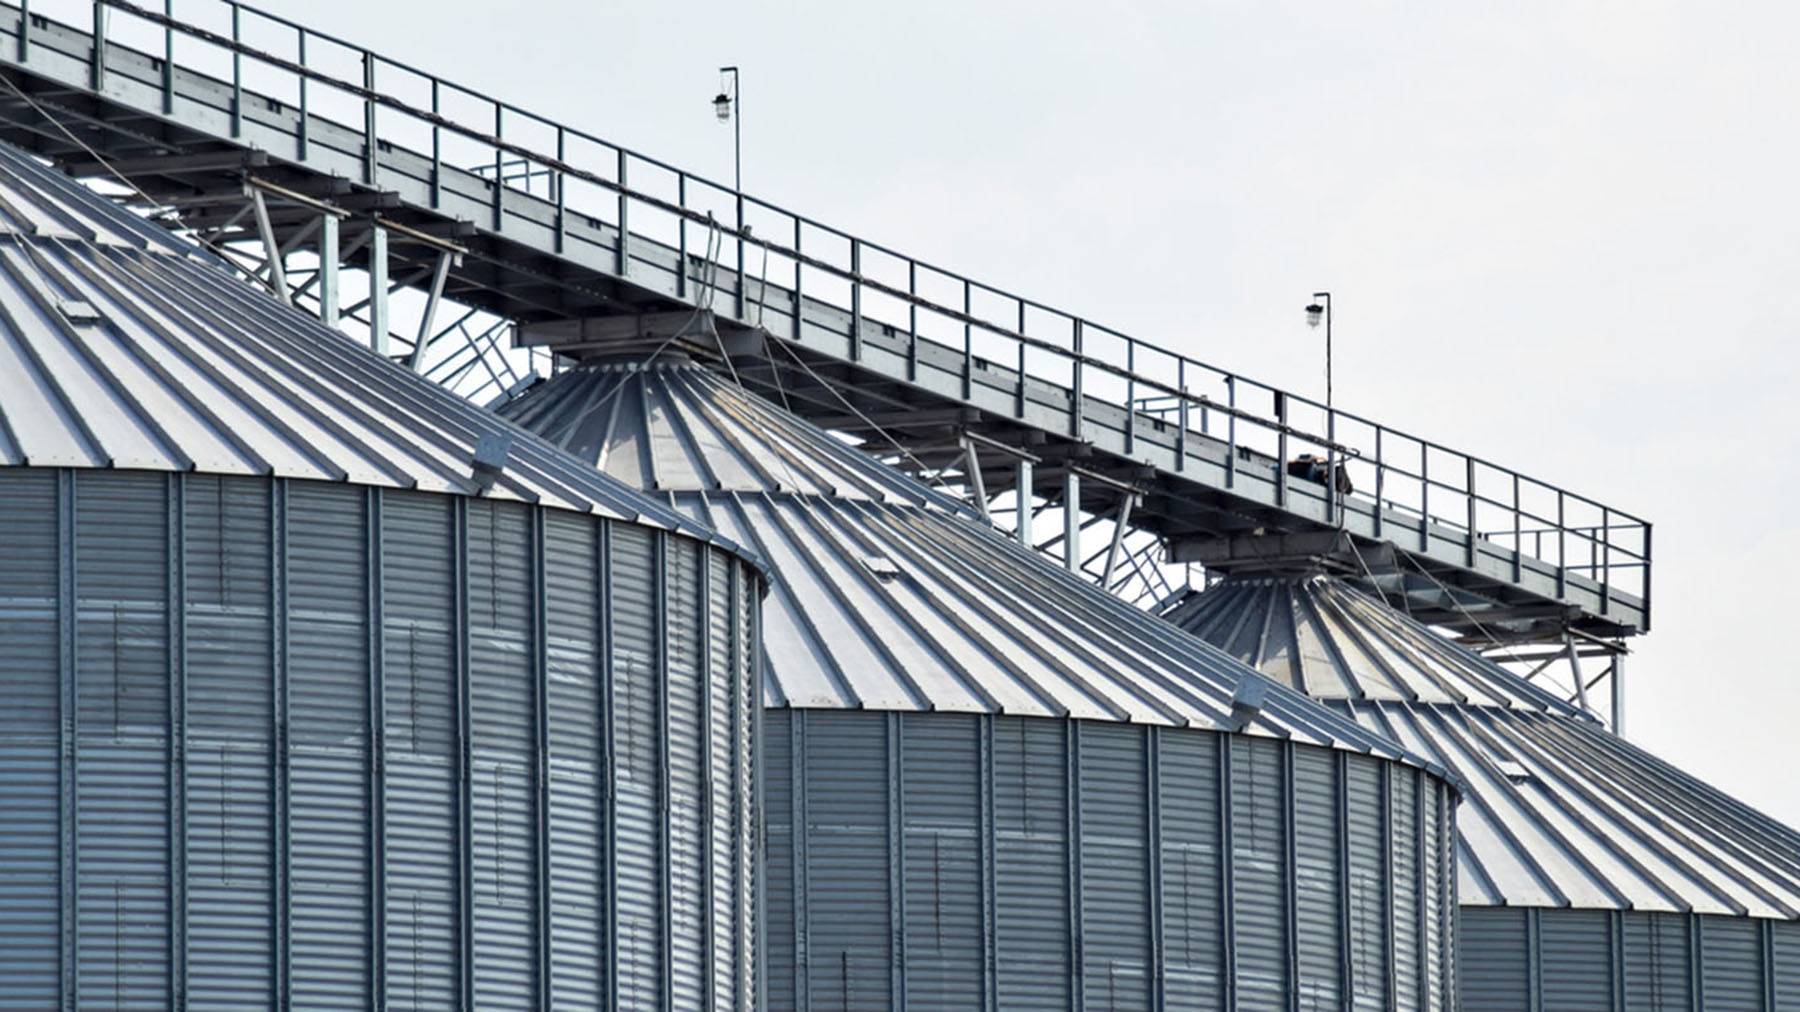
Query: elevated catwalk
(585,244)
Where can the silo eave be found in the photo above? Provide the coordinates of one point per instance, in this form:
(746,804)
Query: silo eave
(901,581)
(1556,812)
(125,347)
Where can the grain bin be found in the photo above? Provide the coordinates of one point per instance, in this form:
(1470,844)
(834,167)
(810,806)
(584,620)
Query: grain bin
(301,709)
(992,785)
(1592,874)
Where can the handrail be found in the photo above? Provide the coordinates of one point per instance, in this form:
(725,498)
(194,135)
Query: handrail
(1617,534)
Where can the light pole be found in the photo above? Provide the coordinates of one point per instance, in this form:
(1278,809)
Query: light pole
(729,107)
(1319,308)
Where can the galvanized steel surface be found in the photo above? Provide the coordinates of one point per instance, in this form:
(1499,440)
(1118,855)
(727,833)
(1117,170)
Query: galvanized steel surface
(285,744)
(884,595)
(123,347)
(1576,960)
(1557,811)
(283,726)
(968,861)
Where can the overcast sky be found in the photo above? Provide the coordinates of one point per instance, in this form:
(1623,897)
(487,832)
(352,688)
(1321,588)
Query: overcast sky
(1560,235)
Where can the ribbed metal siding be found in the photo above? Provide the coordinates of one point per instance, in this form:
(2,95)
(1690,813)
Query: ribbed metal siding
(30,887)
(1260,872)
(1557,960)
(784,933)
(1657,960)
(1494,953)
(1113,799)
(1410,951)
(725,801)
(1577,961)
(303,766)
(943,843)
(846,862)
(638,745)
(424,914)
(684,802)
(122,772)
(1192,870)
(1784,950)
(502,722)
(330,779)
(1318,879)
(1031,862)
(230,721)
(579,832)
(1094,851)
(1731,967)
(1369,891)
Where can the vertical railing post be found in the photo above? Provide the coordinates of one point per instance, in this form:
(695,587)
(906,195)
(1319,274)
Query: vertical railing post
(168,67)
(855,299)
(1131,410)
(968,362)
(1562,549)
(799,298)
(1077,398)
(237,71)
(912,321)
(1231,454)
(1281,449)
(1469,491)
(97,57)
(624,263)
(1605,573)
(369,126)
(1181,415)
(500,166)
(301,134)
(1518,542)
(1380,484)
(1019,391)
(561,182)
(681,225)
(24,31)
(1424,498)
(437,149)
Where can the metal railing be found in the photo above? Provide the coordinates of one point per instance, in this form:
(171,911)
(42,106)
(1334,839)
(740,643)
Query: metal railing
(1409,487)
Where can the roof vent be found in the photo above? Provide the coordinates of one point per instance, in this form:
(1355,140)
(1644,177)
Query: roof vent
(882,566)
(78,311)
(491,454)
(1247,701)
(1515,771)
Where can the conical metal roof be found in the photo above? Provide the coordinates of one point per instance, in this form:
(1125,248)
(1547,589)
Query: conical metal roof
(1332,642)
(1557,811)
(122,346)
(884,594)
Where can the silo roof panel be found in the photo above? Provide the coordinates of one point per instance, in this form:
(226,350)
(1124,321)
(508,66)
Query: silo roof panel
(122,346)
(1557,810)
(900,598)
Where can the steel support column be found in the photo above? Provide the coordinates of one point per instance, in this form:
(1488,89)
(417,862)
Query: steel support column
(1072,521)
(1022,492)
(378,289)
(328,270)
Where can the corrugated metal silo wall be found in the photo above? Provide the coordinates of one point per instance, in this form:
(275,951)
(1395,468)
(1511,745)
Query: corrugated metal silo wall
(270,744)
(959,861)
(1575,960)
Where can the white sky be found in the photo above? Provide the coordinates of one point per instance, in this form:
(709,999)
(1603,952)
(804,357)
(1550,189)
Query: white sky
(1561,236)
